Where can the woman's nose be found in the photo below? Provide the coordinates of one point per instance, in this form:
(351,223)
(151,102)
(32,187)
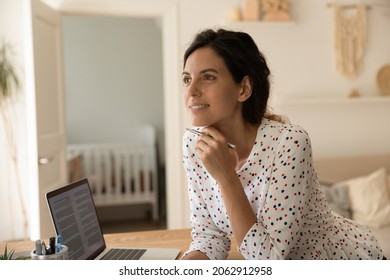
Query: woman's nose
(194,89)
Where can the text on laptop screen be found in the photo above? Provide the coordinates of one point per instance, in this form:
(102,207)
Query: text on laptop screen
(75,218)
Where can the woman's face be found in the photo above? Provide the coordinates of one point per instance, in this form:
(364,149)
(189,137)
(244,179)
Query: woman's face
(211,96)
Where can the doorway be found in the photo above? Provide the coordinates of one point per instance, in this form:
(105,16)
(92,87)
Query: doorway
(113,79)
(167,11)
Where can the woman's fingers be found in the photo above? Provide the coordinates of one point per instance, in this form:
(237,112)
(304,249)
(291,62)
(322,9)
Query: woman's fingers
(213,133)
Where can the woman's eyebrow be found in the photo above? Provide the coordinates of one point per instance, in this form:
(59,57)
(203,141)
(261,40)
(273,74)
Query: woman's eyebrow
(202,71)
(208,70)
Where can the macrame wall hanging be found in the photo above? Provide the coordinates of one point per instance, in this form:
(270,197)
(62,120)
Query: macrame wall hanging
(350,38)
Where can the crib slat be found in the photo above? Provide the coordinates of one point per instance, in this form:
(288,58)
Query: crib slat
(116,192)
(97,158)
(127,173)
(136,172)
(107,172)
(88,165)
(145,173)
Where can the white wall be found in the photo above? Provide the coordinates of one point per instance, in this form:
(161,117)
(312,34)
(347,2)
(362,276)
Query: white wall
(13,192)
(113,78)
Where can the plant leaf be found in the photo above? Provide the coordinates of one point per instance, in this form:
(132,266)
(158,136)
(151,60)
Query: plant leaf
(8,77)
(9,255)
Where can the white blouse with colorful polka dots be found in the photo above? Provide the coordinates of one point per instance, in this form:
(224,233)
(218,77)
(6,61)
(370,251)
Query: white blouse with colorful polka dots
(294,220)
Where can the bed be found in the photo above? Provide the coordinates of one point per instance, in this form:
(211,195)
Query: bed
(359,187)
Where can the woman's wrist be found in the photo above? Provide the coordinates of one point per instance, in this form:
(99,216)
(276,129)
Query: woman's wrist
(195,255)
(228,180)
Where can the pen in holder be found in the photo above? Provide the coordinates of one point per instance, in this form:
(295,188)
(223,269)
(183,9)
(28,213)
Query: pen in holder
(61,255)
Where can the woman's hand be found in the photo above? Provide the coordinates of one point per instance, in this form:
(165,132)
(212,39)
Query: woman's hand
(219,160)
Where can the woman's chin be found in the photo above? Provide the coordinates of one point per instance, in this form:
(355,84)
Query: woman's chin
(200,123)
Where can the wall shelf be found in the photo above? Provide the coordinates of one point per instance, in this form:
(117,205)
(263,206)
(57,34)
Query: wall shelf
(362,99)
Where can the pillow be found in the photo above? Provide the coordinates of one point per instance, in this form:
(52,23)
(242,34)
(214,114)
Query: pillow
(370,198)
(388,183)
(338,199)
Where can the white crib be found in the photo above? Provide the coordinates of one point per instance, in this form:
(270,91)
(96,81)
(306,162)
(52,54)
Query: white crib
(119,173)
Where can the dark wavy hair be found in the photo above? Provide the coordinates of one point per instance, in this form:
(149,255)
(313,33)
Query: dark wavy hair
(243,58)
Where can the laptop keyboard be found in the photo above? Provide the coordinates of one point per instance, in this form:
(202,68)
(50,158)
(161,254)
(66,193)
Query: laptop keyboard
(124,254)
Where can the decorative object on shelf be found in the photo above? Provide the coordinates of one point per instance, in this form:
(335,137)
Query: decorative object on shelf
(235,14)
(251,10)
(383,79)
(276,10)
(350,37)
(353,94)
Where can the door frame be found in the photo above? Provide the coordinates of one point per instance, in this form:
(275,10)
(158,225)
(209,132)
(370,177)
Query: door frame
(167,10)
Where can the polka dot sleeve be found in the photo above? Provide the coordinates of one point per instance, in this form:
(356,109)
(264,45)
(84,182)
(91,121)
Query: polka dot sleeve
(206,236)
(286,198)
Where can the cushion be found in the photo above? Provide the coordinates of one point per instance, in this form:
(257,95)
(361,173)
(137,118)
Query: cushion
(370,198)
(338,199)
(388,183)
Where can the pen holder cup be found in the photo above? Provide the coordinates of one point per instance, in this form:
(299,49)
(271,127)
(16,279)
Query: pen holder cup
(61,255)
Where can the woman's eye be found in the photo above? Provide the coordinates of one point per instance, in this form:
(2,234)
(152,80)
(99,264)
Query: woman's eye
(186,80)
(209,78)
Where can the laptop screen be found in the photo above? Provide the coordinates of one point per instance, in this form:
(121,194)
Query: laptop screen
(74,217)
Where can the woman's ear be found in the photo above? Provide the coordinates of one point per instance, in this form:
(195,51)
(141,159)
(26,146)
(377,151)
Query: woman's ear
(246,89)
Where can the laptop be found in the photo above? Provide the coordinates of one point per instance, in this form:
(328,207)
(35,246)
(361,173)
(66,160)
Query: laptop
(74,216)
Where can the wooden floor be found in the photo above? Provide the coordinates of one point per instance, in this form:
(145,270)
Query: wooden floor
(130,218)
(131,225)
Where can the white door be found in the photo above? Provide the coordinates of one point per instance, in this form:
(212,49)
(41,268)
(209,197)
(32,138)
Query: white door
(49,99)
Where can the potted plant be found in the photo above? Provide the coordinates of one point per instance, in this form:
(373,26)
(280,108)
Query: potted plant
(10,255)
(9,85)
(8,76)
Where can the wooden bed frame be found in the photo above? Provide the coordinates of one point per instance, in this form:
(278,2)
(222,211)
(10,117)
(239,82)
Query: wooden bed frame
(331,170)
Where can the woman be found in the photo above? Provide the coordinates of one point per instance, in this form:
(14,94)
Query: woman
(264,192)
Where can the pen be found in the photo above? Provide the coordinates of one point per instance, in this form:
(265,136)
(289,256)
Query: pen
(59,243)
(43,248)
(38,247)
(52,244)
(202,133)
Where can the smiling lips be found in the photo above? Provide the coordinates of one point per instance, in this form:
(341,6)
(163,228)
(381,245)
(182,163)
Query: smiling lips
(198,107)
